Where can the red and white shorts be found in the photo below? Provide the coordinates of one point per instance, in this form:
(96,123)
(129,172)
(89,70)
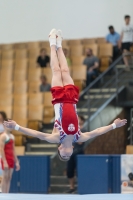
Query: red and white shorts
(66,94)
(66,119)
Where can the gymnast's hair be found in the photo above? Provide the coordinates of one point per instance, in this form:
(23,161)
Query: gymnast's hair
(62,159)
(4,116)
(81,117)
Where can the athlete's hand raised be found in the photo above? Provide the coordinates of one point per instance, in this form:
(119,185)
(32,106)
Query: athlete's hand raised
(120,122)
(10,124)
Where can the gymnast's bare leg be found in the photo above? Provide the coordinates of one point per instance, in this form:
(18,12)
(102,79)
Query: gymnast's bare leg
(66,78)
(56,70)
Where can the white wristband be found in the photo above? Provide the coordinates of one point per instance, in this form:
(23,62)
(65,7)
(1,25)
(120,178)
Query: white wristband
(114,125)
(17,127)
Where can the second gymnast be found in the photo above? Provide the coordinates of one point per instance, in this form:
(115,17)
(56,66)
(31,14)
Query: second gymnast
(66,129)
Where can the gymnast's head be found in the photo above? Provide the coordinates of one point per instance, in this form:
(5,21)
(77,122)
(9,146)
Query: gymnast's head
(64,153)
(3,117)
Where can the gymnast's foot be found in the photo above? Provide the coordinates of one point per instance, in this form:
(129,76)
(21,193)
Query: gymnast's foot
(59,39)
(52,37)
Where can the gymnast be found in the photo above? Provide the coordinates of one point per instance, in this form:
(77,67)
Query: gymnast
(8,154)
(65,94)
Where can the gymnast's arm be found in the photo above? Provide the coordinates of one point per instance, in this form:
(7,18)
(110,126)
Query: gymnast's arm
(52,138)
(99,131)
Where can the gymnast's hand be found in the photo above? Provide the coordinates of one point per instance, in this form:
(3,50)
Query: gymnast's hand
(10,124)
(120,122)
(17,166)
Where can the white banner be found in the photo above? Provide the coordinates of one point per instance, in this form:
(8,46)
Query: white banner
(126,173)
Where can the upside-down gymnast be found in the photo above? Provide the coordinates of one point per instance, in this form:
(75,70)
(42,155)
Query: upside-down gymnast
(65,94)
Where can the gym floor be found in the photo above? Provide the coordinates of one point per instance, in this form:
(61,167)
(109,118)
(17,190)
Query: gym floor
(66,197)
